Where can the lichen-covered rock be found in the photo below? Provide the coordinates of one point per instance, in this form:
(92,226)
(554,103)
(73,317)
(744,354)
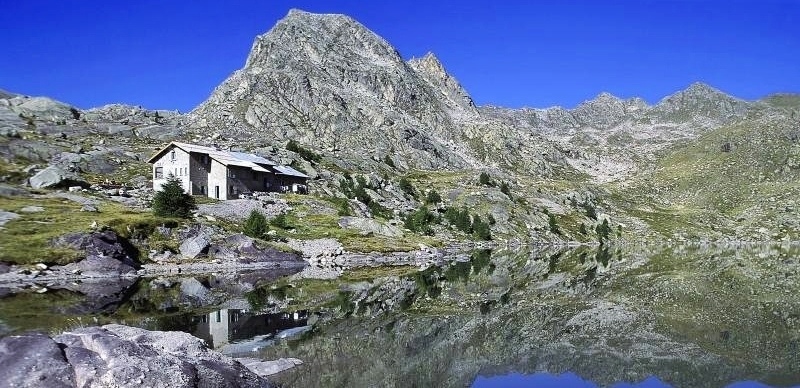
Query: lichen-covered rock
(50,177)
(34,360)
(118,356)
(195,246)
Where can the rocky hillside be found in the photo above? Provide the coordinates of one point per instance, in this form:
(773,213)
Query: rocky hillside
(378,135)
(327,80)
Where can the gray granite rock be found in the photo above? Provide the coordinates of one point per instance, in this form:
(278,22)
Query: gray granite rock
(50,177)
(194,247)
(118,356)
(34,360)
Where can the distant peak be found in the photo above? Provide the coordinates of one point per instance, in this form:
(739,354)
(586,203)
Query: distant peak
(430,56)
(430,63)
(702,88)
(299,14)
(607,96)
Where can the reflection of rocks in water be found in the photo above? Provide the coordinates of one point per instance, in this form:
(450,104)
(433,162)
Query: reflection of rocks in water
(693,317)
(118,356)
(100,295)
(228,326)
(237,283)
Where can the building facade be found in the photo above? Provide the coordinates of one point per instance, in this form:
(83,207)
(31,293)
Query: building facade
(222,174)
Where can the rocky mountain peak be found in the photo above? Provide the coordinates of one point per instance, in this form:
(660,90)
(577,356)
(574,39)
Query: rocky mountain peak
(320,39)
(700,102)
(430,68)
(329,82)
(430,64)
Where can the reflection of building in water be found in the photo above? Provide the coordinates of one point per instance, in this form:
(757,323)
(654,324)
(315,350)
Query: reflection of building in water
(226,326)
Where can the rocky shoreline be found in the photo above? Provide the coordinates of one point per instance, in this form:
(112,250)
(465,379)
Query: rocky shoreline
(124,356)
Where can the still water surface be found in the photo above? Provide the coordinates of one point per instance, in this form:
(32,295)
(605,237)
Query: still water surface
(643,317)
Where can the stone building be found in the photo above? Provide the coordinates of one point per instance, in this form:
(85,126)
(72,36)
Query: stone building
(223,174)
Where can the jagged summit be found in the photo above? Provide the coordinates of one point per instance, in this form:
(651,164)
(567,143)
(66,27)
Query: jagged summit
(320,39)
(431,62)
(432,70)
(328,81)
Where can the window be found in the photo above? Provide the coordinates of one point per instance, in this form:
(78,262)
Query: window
(172,155)
(231,174)
(159,173)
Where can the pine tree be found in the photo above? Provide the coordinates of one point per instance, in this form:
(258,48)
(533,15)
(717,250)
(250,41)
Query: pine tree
(171,201)
(603,231)
(256,225)
(551,220)
(433,197)
(484,179)
(481,229)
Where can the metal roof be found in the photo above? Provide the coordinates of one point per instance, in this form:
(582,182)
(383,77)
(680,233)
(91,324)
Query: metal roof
(219,155)
(252,158)
(286,170)
(232,158)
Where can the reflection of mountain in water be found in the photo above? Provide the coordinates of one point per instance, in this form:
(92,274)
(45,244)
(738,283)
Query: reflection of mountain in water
(227,326)
(689,315)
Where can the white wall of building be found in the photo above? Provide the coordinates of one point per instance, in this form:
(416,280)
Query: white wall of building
(218,180)
(176,162)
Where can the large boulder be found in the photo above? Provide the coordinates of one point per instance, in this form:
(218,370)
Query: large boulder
(107,254)
(11,191)
(194,247)
(34,360)
(53,176)
(194,292)
(7,216)
(244,249)
(119,356)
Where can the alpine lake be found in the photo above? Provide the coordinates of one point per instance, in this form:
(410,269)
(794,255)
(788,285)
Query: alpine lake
(649,316)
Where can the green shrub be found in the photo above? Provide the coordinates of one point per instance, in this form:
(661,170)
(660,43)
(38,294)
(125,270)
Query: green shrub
(433,197)
(361,194)
(591,212)
(388,160)
(304,153)
(481,229)
(551,221)
(171,201)
(463,221)
(407,188)
(505,189)
(280,221)
(603,231)
(420,221)
(256,225)
(484,179)
(379,210)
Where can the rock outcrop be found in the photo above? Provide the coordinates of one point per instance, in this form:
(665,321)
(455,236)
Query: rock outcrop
(107,254)
(120,356)
(52,176)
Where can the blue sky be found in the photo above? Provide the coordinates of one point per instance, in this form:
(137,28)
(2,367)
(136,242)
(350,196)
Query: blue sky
(171,54)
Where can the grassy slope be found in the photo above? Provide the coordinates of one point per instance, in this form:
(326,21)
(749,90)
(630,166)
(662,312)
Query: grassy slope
(698,189)
(28,238)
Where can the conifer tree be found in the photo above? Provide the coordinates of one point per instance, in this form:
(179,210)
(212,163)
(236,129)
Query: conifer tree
(171,201)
